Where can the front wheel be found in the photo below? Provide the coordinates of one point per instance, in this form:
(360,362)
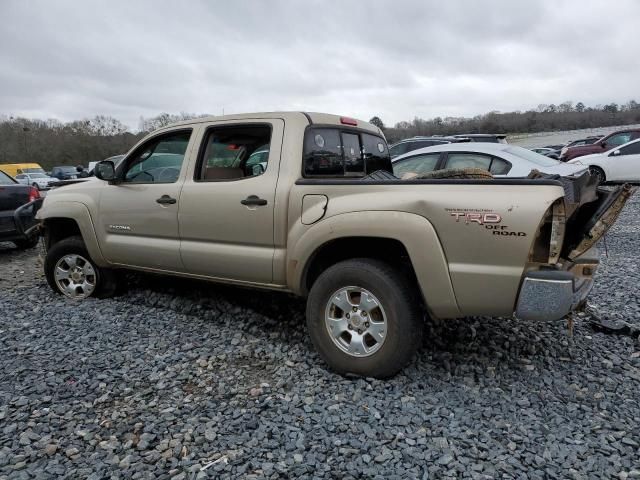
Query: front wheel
(71,272)
(599,174)
(364,318)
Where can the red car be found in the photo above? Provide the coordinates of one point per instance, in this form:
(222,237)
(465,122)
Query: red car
(607,142)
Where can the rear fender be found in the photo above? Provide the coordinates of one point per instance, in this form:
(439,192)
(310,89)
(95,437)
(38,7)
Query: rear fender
(414,231)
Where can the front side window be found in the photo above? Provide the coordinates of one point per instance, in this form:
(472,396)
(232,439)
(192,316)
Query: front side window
(398,149)
(159,160)
(633,149)
(337,153)
(418,164)
(234,152)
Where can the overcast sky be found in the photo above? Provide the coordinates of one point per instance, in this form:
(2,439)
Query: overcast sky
(396,59)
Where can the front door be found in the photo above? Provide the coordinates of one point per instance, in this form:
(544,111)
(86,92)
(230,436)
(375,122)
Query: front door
(226,209)
(138,215)
(625,166)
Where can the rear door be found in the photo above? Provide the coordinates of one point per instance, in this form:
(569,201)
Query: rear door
(226,209)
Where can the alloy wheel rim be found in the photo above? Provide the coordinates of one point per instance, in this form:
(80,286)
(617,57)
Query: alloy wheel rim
(75,276)
(356,321)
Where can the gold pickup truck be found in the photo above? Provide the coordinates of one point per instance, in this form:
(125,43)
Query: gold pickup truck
(306,203)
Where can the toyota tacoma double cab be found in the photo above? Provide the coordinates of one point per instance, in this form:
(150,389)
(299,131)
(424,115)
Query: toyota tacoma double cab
(306,203)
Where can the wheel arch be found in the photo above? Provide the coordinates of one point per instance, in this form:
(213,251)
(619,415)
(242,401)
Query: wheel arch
(385,235)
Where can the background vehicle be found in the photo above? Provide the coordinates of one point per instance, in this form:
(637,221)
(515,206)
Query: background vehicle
(64,172)
(500,159)
(39,180)
(14,169)
(606,143)
(582,141)
(18,205)
(413,143)
(547,152)
(327,220)
(484,137)
(621,164)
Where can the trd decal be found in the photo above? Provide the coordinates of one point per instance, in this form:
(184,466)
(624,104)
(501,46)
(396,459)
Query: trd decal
(485,218)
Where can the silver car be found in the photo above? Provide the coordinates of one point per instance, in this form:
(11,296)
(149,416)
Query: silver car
(39,180)
(501,160)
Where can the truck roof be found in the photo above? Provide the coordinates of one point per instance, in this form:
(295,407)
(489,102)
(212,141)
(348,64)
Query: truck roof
(308,118)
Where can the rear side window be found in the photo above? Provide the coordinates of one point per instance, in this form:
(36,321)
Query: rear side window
(496,166)
(332,152)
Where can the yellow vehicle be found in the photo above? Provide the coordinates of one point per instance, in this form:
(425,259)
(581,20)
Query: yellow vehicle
(14,169)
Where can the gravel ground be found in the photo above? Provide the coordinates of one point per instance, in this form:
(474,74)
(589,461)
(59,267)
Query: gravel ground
(185,380)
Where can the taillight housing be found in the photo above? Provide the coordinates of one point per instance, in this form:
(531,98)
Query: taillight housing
(34,194)
(349,121)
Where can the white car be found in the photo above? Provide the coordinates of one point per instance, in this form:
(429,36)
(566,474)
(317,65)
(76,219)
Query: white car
(39,180)
(621,164)
(502,160)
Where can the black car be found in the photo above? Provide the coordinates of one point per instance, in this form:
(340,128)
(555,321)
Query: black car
(64,172)
(414,143)
(18,206)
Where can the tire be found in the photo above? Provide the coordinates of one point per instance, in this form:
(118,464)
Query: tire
(599,174)
(36,186)
(27,243)
(397,305)
(93,281)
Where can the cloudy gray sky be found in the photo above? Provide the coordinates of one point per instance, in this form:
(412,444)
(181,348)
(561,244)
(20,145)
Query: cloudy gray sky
(396,59)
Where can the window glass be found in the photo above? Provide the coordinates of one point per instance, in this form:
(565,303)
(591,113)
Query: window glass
(235,152)
(618,139)
(398,149)
(417,164)
(375,153)
(20,177)
(499,166)
(159,160)
(336,153)
(468,160)
(632,149)
(353,159)
(5,179)
(532,156)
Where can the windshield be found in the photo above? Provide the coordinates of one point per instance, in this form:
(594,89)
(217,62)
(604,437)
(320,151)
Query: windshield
(32,170)
(6,179)
(67,169)
(532,156)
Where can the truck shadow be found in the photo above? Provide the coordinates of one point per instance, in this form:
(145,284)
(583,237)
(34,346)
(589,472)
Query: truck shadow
(460,347)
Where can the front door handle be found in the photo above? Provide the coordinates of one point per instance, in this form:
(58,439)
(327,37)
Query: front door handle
(166,200)
(253,200)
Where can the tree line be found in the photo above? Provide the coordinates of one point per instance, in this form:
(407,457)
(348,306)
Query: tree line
(51,142)
(566,116)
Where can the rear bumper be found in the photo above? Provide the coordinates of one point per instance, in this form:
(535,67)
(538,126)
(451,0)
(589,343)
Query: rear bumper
(553,294)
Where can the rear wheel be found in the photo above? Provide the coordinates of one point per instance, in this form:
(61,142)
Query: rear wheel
(598,173)
(364,318)
(35,185)
(71,272)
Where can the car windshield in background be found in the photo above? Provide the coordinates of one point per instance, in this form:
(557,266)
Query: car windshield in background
(532,156)
(5,179)
(32,170)
(68,169)
(38,175)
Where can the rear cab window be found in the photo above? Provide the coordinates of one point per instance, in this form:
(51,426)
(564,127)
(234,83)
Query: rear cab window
(342,152)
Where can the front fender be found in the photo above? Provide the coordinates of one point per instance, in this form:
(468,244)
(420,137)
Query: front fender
(78,212)
(414,231)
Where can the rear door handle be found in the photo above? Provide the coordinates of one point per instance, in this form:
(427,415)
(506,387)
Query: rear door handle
(253,200)
(166,200)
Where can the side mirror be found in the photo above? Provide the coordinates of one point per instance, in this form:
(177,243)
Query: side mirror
(615,153)
(603,144)
(257,169)
(105,170)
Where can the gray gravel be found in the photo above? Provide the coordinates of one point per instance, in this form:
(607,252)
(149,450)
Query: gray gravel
(186,380)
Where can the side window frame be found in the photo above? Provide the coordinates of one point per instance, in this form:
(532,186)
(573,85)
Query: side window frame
(202,150)
(124,164)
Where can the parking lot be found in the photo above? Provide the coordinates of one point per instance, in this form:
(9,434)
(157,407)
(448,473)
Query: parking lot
(178,379)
